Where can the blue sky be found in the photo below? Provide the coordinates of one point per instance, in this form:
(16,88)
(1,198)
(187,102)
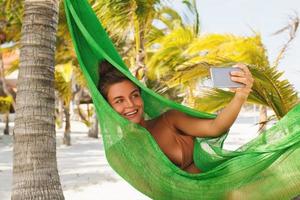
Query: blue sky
(240,17)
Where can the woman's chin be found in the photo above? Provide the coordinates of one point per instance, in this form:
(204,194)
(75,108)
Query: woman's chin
(135,120)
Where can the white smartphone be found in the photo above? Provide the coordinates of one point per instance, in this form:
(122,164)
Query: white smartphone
(221,77)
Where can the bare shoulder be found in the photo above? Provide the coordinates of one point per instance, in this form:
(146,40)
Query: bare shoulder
(173,112)
(164,121)
(174,115)
(189,125)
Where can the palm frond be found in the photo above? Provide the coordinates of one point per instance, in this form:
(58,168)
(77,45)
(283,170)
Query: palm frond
(80,80)
(5,104)
(169,54)
(11,18)
(63,81)
(12,67)
(292,27)
(278,93)
(268,90)
(11,51)
(120,26)
(212,100)
(153,36)
(192,70)
(169,17)
(229,47)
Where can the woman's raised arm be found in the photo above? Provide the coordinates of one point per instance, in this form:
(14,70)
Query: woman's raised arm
(215,127)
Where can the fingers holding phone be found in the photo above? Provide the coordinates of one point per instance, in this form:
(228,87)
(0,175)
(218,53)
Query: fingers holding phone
(221,77)
(237,78)
(244,77)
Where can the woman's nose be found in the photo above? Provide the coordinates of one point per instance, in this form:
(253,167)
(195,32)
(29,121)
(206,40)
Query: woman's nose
(129,103)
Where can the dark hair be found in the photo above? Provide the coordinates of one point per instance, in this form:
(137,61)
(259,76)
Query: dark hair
(108,75)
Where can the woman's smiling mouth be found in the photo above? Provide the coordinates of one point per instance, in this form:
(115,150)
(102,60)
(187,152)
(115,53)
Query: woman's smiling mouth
(131,114)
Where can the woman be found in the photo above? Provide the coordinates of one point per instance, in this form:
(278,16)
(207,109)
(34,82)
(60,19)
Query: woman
(173,131)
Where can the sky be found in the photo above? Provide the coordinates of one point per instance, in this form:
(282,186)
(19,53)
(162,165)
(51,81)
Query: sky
(241,17)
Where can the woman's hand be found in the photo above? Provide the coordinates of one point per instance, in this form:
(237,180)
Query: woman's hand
(245,77)
(215,127)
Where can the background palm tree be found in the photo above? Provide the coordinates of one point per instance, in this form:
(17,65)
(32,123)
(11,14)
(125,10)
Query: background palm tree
(182,58)
(65,54)
(129,28)
(63,84)
(7,95)
(178,56)
(10,26)
(34,152)
(69,81)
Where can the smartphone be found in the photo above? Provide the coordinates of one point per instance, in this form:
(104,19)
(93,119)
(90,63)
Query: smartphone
(221,77)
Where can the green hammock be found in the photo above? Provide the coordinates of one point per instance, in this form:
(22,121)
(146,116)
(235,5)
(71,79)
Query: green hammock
(267,167)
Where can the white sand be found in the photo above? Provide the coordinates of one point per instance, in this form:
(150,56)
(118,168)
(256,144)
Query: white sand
(83,168)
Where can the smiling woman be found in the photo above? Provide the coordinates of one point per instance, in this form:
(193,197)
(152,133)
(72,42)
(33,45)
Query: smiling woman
(268,165)
(121,93)
(174,131)
(125,98)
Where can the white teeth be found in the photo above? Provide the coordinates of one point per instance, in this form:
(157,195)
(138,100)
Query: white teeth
(131,113)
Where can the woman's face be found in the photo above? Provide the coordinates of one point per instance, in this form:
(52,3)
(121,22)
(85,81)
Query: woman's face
(126,99)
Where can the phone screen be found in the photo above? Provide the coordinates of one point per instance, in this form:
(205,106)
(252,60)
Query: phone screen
(221,77)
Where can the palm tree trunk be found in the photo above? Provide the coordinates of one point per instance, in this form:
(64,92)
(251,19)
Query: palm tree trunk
(67,136)
(35,174)
(263,118)
(6,121)
(140,71)
(197,21)
(4,90)
(94,130)
(59,112)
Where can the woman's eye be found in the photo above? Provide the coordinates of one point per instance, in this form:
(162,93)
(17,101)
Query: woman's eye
(136,95)
(119,101)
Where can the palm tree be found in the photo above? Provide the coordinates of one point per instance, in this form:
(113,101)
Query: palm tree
(67,77)
(128,28)
(10,25)
(11,19)
(63,84)
(5,106)
(35,174)
(184,58)
(178,57)
(292,28)
(65,55)
(7,102)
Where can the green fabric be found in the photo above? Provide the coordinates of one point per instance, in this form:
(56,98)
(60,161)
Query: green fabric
(268,167)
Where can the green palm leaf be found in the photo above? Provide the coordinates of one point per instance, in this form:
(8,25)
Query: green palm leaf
(268,89)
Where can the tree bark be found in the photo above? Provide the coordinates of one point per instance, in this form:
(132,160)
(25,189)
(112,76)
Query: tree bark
(59,112)
(94,130)
(263,118)
(6,121)
(4,89)
(140,71)
(35,174)
(67,136)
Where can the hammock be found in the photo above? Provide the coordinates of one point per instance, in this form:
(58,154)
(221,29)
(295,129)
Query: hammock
(267,167)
